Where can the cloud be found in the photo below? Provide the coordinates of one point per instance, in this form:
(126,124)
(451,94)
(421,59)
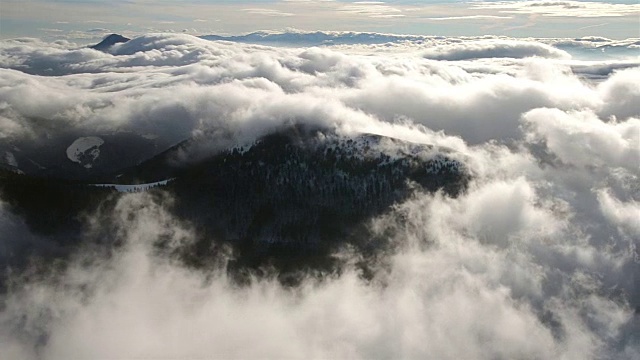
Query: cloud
(268,12)
(592,26)
(581,9)
(621,94)
(469,17)
(512,276)
(584,140)
(537,259)
(492,49)
(49,30)
(372,9)
(390,16)
(625,214)
(109,91)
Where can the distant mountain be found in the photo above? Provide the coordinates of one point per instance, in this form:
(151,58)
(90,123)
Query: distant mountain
(109,41)
(314,38)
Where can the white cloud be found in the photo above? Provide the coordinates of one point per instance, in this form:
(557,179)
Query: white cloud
(373,9)
(268,12)
(569,8)
(581,139)
(110,91)
(469,17)
(621,94)
(492,49)
(538,259)
(621,213)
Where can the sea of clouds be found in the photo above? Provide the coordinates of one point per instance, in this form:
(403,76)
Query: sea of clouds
(538,259)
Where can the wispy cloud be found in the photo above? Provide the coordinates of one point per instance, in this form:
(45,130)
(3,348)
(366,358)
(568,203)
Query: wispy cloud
(98,30)
(50,30)
(592,26)
(469,17)
(268,12)
(570,8)
(372,9)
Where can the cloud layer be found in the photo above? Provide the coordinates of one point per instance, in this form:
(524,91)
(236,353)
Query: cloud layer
(134,88)
(538,259)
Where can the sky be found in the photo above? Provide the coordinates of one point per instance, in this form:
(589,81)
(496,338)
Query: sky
(84,21)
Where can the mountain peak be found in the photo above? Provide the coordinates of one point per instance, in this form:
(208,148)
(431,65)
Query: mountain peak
(109,41)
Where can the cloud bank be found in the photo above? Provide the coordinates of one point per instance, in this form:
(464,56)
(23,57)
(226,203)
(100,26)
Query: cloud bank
(134,87)
(538,259)
(494,49)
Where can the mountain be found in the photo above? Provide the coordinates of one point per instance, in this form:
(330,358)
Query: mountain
(295,196)
(289,199)
(293,38)
(109,41)
(79,156)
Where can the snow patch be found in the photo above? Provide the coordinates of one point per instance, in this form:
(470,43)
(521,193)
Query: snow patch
(136,187)
(85,150)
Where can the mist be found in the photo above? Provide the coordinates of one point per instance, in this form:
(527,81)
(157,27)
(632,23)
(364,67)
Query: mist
(538,258)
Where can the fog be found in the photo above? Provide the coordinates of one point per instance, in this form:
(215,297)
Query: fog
(537,259)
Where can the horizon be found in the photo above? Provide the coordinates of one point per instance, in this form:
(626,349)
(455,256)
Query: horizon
(84,21)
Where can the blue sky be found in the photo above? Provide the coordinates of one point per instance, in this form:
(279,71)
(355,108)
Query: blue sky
(87,20)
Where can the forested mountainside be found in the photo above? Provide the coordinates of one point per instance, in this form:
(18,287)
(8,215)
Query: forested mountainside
(290,199)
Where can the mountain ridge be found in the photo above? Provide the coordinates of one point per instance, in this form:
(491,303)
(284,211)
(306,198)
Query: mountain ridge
(290,198)
(109,41)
